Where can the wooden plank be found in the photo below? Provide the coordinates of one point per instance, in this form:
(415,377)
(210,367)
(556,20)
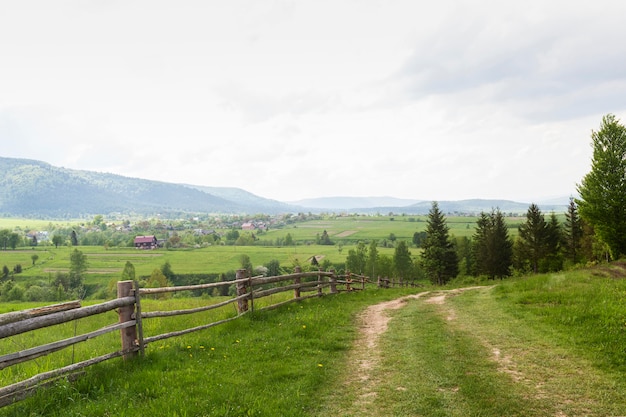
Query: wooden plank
(35,380)
(36,352)
(12,329)
(154,314)
(186,331)
(291,300)
(271,291)
(290,277)
(15,316)
(189,287)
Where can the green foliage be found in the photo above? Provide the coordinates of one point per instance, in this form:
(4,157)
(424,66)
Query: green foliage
(324,239)
(78,266)
(357,258)
(439,257)
(245,262)
(492,247)
(538,243)
(603,190)
(402,262)
(573,233)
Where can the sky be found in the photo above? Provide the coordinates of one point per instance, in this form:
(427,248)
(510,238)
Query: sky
(426,100)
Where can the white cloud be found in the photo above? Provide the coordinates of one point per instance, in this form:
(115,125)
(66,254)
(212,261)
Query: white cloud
(445,100)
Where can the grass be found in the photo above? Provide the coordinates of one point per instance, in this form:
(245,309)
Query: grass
(548,345)
(545,345)
(270,363)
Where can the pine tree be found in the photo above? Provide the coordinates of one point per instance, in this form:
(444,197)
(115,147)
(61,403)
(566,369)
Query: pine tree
(439,257)
(573,233)
(493,249)
(602,191)
(533,238)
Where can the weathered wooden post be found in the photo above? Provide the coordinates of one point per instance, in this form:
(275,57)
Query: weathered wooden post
(242,304)
(297,280)
(125,314)
(333,282)
(138,321)
(348,281)
(379,283)
(319,283)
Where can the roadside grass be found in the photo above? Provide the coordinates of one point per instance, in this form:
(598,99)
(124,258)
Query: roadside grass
(270,363)
(546,345)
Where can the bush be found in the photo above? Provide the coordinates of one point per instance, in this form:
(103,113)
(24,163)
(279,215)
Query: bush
(37,293)
(15,294)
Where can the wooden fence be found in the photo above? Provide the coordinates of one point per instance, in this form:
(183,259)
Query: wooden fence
(130,319)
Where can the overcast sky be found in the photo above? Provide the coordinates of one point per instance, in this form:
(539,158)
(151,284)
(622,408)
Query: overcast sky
(437,100)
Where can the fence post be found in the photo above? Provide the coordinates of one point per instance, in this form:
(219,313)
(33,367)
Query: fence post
(297,280)
(129,334)
(333,282)
(319,283)
(242,305)
(348,281)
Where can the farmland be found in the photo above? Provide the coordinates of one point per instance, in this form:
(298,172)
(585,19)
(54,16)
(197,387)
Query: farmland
(345,232)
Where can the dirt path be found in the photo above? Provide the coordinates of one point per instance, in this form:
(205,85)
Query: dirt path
(366,355)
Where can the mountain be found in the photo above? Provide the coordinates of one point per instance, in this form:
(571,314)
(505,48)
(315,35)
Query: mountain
(474,206)
(347,203)
(247,199)
(30,188)
(37,189)
(383,205)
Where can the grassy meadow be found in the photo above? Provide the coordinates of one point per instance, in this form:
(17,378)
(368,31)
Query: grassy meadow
(106,264)
(541,345)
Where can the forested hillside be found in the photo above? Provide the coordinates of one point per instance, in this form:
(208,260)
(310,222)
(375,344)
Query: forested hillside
(34,188)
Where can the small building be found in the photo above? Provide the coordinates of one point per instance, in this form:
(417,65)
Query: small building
(248,226)
(146,242)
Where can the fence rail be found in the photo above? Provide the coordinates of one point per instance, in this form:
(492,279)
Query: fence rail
(130,319)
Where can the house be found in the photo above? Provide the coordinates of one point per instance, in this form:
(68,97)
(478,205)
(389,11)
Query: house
(146,242)
(248,226)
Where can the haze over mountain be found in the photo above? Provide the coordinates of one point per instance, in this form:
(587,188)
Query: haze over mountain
(31,188)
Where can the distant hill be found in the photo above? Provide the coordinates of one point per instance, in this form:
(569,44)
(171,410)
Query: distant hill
(37,189)
(346,203)
(384,205)
(30,188)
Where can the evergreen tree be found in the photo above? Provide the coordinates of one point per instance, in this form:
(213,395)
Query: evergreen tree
(533,238)
(602,191)
(74,238)
(439,257)
(492,247)
(166,269)
(554,259)
(128,274)
(573,233)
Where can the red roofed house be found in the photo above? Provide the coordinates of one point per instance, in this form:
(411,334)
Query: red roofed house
(146,242)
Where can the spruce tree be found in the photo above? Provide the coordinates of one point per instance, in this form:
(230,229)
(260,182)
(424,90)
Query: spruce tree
(573,233)
(439,257)
(533,238)
(493,249)
(602,202)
